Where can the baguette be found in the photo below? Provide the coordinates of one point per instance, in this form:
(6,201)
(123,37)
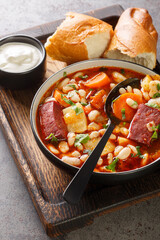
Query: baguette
(79,37)
(134,39)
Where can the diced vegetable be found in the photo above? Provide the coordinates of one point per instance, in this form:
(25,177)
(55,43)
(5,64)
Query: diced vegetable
(100,80)
(98,100)
(122,110)
(75,122)
(58,97)
(109,147)
(92,143)
(81,138)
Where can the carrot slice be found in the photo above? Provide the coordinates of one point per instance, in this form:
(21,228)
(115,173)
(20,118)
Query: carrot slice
(122,110)
(58,97)
(98,100)
(100,80)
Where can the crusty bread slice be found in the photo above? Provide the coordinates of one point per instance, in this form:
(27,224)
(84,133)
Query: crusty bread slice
(134,39)
(79,37)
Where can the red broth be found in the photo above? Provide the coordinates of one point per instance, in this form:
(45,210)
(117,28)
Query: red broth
(92,101)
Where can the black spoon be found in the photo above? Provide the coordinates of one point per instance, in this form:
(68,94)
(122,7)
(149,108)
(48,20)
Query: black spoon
(76,187)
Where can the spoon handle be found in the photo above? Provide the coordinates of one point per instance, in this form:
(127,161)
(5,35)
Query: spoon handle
(76,187)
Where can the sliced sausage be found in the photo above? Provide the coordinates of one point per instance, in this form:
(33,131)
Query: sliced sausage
(138,130)
(51,120)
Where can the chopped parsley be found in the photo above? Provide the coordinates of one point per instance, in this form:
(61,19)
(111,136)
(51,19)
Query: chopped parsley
(124,123)
(77,110)
(105,125)
(158,87)
(155,135)
(112,166)
(68,101)
(88,151)
(123,113)
(122,71)
(83,77)
(138,153)
(134,104)
(84,104)
(90,89)
(156,95)
(115,99)
(64,74)
(156,127)
(81,138)
(154,105)
(72,85)
(52,138)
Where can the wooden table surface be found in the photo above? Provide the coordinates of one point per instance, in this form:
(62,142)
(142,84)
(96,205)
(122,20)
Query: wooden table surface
(18,218)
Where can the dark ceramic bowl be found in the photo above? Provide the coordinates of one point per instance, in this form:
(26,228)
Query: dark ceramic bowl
(27,78)
(107,177)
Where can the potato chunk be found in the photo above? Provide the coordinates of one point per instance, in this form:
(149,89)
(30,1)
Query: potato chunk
(92,143)
(75,122)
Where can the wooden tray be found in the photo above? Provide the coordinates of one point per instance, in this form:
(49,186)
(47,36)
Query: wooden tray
(45,181)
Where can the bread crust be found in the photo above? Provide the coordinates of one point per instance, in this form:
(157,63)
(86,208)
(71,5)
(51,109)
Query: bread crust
(68,42)
(134,34)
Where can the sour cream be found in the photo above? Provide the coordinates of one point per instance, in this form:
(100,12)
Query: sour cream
(19,57)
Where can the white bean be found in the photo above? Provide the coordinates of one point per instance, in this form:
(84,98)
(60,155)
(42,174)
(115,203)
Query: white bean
(63,147)
(78,74)
(118,77)
(93,115)
(155,101)
(137,91)
(80,147)
(93,126)
(94,134)
(49,99)
(124,153)
(112,85)
(100,161)
(71,160)
(82,93)
(122,90)
(72,81)
(53,149)
(131,103)
(129,89)
(83,100)
(102,131)
(84,157)
(124,131)
(74,96)
(71,138)
(117,150)
(133,148)
(67,88)
(144,159)
(110,158)
(63,83)
(76,154)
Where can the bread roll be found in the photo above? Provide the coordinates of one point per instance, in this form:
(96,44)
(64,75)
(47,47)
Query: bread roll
(79,37)
(135,38)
